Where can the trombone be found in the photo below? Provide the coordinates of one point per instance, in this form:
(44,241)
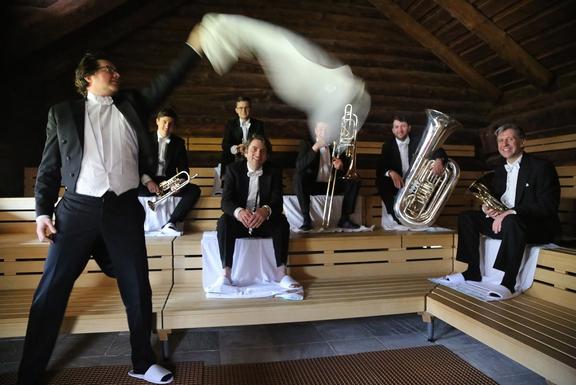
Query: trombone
(346,144)
(170,187)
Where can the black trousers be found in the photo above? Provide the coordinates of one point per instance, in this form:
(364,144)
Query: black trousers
(81,221)
(305,186)
(516,232)
(189,194)
(229,229)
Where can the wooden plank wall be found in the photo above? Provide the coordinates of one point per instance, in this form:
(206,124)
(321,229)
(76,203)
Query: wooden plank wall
(400,75)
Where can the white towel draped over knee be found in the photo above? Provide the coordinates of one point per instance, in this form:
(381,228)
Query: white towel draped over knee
(301,74)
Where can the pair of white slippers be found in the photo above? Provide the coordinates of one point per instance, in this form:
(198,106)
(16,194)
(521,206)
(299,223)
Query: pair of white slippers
(496,291)
(155,374)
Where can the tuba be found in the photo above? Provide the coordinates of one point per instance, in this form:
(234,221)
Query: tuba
(419,202)
(169,187)
(346,145)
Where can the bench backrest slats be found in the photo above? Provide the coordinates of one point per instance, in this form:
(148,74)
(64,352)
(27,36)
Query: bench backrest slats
(555,278)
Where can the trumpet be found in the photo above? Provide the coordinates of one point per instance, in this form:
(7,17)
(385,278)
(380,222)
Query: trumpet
(170,187)
(481,192)
(346,144)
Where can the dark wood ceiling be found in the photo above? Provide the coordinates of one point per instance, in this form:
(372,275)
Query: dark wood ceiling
(543,30)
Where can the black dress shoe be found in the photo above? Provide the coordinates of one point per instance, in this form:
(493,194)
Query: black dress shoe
(347,224)
(306,226)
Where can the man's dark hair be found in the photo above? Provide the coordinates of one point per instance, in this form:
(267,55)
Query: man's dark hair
(168,112)
(400,118)
(242,98)
(511,126)
(264,140)
(88,65)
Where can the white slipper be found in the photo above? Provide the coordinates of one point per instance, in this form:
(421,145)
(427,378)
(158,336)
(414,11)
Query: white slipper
(223,280)
(451,279)
(499,292)
(287,282)
(155,374)
(291,296)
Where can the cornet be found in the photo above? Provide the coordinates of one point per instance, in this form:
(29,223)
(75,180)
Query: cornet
(170,187)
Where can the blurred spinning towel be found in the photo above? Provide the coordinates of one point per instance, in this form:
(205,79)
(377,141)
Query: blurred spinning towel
(301,74)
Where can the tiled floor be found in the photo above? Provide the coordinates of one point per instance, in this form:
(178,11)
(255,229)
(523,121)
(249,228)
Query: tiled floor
(282,342)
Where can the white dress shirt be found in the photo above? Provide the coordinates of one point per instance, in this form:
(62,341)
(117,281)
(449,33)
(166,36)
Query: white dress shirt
(509,196)
(324,165)
(404,155)
(253,189)
(245,126)
(162,146)
(110,157)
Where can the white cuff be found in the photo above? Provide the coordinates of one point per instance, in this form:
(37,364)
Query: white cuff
(387,173)
(269,210)
(237,212)
(234,149)
(189,45)
(145,178)
(39,217)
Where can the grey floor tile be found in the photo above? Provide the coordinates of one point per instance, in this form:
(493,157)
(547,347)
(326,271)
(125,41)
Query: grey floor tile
(492,363)
(87,345)
(208,357)
(403,340)
(342,330)
(74,362)
(120,346)
(302,351)
(357,346)
(247,337)
(249,355)
(9,367)
(116,360)
(205,340)
(391,325)
(297,333)
(459,342)
(11,349)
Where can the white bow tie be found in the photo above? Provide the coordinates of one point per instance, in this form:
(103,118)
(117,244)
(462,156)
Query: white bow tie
(254,173)
(511,167)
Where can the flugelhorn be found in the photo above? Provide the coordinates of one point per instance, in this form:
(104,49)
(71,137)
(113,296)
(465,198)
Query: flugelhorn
(482,193)
(419,202)
(346,144)
(169,187)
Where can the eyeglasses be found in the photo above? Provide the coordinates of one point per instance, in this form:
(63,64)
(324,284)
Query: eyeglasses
(109,69)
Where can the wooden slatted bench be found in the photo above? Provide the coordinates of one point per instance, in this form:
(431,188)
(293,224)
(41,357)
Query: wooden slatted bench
(95,304)
(344,276)
(537,328)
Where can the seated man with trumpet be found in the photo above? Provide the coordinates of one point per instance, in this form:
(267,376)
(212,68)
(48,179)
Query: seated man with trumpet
(315,167)
(252,204)
(520,206)
(170,158)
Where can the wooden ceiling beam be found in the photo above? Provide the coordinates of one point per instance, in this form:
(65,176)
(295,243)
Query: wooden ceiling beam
(499,41)
(414,29)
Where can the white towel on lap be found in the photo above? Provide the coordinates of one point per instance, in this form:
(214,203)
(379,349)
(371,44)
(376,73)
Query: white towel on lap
(254,271)
(491,277)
